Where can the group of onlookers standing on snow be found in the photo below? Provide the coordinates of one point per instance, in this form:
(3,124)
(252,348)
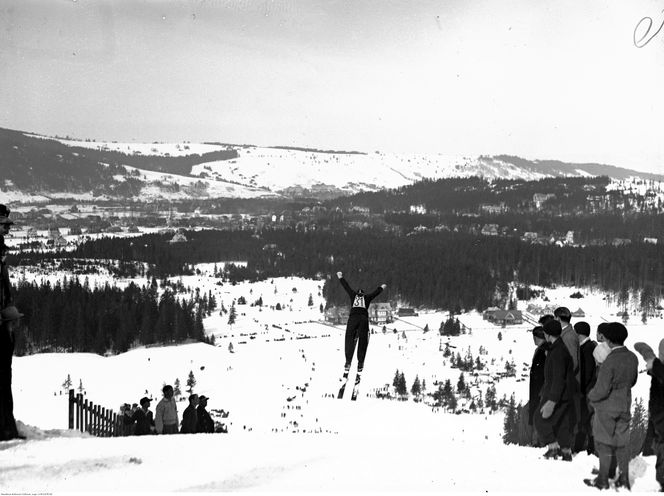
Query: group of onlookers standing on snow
(140,421)
(581,395)
(9,317)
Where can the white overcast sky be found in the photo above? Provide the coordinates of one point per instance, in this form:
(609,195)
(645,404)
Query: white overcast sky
(558,79)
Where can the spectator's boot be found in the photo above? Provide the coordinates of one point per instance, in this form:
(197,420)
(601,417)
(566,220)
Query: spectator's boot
(598,482)
(566,454)
(553,452)
(623,481)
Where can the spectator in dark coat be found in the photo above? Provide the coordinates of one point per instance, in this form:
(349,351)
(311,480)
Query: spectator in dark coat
(584,439)
(10,317)
(655,366)
(537,372)
(555,414)
(6,298)
(546,318)
(611,399)
(205,422)
(143,418)
(190,417)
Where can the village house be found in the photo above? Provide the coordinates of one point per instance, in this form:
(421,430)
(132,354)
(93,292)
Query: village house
(530,236)
(418,209)
(540,198)
(503,317)
(380,313)
(490,230)
(406,312)
(652,241)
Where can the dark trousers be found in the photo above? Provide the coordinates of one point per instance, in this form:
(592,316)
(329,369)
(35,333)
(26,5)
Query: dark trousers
(610,458)
(357,330)
(7,422)
(584,431)
(658,447)
(558,427)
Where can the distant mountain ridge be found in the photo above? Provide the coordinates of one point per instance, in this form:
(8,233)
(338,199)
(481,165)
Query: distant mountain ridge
(38,167)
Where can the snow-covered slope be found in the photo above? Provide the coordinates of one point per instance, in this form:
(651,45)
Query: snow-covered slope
(295,171)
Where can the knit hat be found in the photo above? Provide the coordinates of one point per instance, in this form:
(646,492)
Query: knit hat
(601,351)
(582,328)
(615,332)
(553,328)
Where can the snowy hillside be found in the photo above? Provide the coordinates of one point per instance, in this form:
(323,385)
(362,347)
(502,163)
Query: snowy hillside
(269,171)
(287,431)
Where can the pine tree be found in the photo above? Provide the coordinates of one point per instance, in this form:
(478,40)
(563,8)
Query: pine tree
(191,382)
(637,428)
(490,398)
(232,315)
(511,425)
(416,388)
(461,384)
(230,347)
(402,387)
(176,388)
(66,386)
(311,301)
(500,336)
(80,386)
(395,381)
(426,328)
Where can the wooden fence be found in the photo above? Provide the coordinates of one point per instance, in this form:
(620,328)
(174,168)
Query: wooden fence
(85,416)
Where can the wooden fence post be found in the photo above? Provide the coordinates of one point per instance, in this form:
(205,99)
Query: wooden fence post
(86,420)
(71,408)
(79,404)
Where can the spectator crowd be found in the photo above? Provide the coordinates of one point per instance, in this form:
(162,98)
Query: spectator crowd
(581,396)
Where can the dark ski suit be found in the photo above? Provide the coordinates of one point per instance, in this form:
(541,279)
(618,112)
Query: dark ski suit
(357,328)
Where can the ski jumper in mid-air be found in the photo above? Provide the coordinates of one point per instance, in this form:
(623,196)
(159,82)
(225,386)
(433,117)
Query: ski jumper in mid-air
(357,328)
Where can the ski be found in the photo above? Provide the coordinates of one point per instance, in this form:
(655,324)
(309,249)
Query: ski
(344,381)
(356,388)
(342,389)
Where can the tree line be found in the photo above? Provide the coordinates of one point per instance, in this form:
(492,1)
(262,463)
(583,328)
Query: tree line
(443,270)
(69,316)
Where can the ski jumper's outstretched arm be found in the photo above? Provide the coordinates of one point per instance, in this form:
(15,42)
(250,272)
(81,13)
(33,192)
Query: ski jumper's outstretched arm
(375,293)
(345,284)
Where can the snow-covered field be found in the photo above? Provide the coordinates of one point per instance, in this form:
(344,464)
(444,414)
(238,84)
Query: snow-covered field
(287,432)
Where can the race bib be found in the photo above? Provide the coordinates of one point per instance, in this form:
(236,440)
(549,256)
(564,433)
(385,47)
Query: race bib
(359,302)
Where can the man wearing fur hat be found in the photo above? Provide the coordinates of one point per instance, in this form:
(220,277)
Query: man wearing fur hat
(655,366)
(611,399)
(556,413)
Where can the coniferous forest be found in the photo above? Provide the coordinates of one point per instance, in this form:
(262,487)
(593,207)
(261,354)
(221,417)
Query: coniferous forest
(444,270)
(70,316)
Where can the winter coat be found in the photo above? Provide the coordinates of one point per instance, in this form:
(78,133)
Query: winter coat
(587,366)
(205,422)
(144,422)
(656,401)
(6,298)
(536,380)
(616,377)
(359,303)
(571,340)
(189,420)
(166,413)
(559,383)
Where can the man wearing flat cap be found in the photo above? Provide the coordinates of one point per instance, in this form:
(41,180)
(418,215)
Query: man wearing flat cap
(611,398)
